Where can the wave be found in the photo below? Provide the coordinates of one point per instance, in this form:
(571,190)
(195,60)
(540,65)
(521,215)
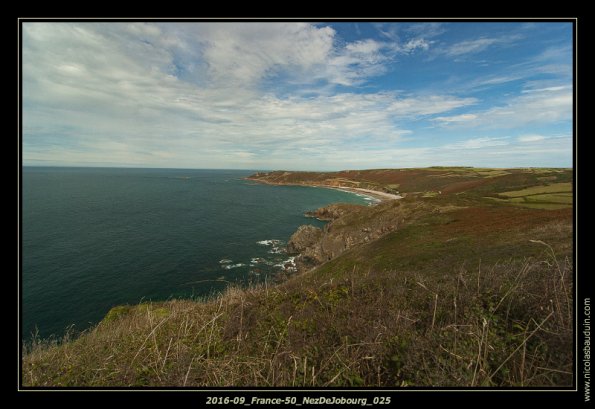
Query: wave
(259,260)
(271,242)
(288,265)
(277,246)
(277,250)
(230,266)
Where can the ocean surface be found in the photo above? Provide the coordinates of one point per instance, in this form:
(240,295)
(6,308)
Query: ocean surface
(93,238)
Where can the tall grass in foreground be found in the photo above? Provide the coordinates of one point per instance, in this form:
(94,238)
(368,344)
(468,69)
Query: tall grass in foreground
(506,324)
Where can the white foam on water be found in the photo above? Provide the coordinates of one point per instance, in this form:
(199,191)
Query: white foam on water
(277,246)
(260,260)
(271,242)
(288,265)
(230,266)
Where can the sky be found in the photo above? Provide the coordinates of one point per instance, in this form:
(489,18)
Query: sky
(297,95)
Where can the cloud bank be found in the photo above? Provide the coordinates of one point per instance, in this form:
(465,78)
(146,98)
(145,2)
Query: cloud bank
(256,96)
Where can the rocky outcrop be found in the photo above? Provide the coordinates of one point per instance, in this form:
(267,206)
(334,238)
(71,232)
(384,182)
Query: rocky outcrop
(333,211)
(305,237)
(350,226)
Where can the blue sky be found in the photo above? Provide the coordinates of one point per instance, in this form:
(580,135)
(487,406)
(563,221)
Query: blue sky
(297,96)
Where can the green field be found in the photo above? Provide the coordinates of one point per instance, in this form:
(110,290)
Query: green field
(553,196)
(536,190)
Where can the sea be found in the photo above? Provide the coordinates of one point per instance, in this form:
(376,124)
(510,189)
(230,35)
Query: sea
(94,238)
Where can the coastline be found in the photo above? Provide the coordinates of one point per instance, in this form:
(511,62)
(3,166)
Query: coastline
(374,194)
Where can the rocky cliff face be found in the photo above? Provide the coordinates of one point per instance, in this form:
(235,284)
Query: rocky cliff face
(350,226)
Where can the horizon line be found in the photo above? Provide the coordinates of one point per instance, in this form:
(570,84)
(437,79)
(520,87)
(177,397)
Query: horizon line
(22,166)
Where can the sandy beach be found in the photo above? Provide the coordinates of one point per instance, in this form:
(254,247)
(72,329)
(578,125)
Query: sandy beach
(381,196)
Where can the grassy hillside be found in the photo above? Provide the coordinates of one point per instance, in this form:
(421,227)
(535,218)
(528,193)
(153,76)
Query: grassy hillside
(429,182)
(463,287)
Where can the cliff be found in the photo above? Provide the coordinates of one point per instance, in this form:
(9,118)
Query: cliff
(349,226)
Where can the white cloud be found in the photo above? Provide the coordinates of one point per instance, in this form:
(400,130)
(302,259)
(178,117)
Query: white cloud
(416,37)
(530,138)
(218,54)
(544,107)
(547,89)
(479,143)
(426,30)
(497,80)
(548,106)
(477,45)
(414,44)
(470,46)
(428,105)
(355,62)
(364,47)
(108,94)
(456,118)
(245,53)
(481,152)
(389,31)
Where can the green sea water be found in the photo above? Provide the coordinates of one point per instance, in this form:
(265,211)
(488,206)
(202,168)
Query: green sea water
(93,238)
